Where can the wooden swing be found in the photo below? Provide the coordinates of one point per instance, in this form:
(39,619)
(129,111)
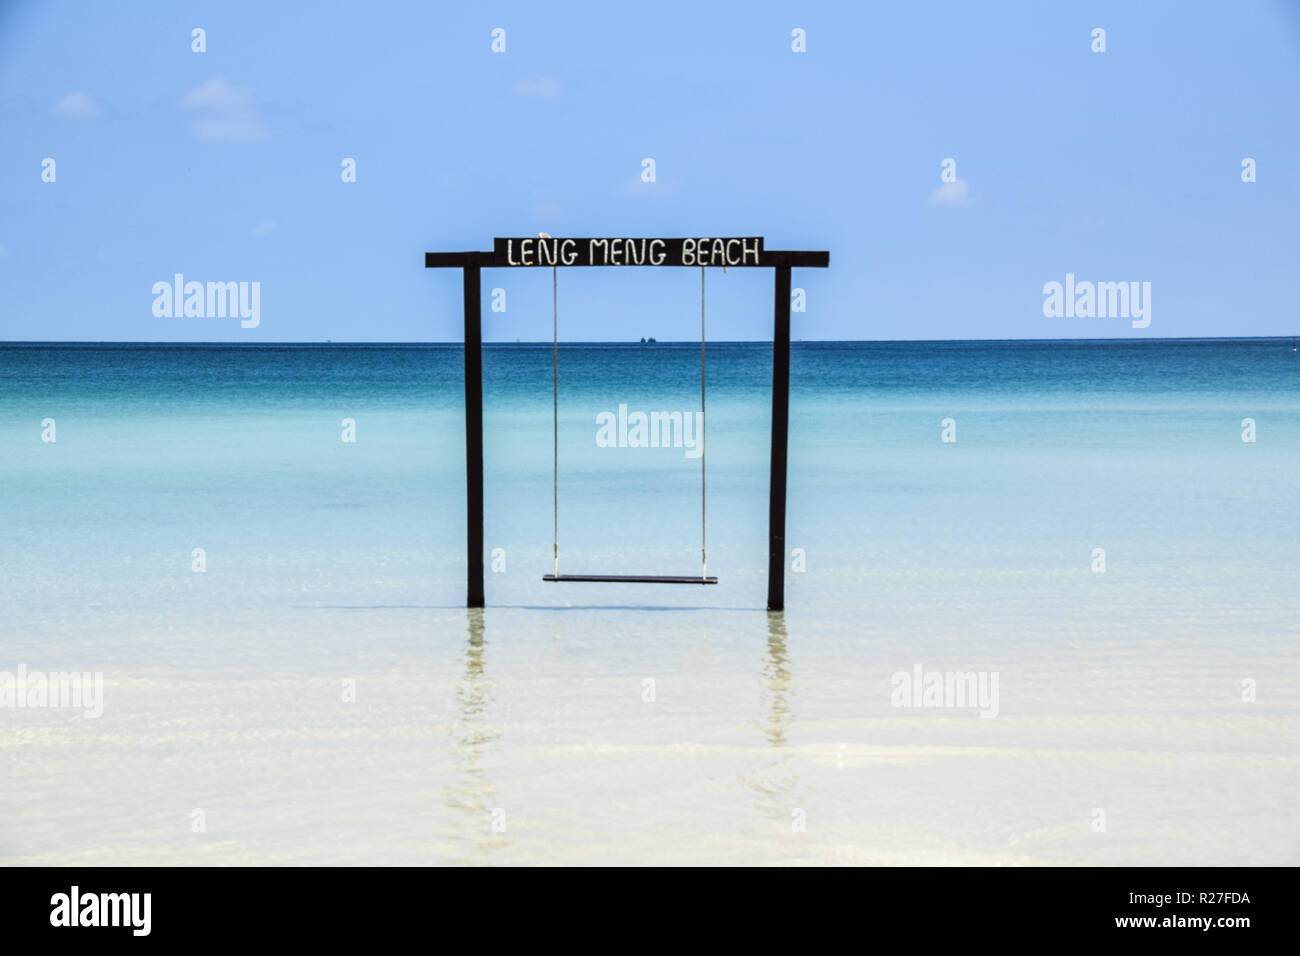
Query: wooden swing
(691,252)
(557,577)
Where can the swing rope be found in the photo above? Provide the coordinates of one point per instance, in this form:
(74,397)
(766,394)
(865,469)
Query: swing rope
(555,459)
(555,415)
(704,540)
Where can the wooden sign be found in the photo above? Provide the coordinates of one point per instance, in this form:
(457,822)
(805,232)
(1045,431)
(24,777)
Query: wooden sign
(702,251)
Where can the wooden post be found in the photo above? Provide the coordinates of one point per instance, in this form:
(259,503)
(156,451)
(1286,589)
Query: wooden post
(780,433)
(474,438)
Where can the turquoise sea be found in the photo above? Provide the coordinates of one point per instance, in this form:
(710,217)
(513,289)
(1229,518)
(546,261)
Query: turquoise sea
(653,724)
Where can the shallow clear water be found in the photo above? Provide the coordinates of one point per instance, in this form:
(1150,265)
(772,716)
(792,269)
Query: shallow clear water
(527,732)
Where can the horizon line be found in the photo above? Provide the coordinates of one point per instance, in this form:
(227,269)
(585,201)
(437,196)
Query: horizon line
(631,342)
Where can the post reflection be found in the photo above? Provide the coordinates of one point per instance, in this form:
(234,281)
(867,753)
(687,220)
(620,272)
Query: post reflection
(471,795)
(777,712)
(773,775)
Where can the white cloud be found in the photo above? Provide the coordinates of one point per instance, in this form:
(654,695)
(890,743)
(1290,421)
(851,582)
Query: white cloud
(231,115)
(950,194)
(77,105)
(539,87)
(263,227)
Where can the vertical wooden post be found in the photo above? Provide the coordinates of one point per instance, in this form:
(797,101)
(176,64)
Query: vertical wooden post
(780,433)
(474,438)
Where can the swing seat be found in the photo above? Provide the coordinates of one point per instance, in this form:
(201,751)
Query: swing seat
(632,578)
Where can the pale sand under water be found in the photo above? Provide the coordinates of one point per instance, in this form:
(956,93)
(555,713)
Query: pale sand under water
(459,713)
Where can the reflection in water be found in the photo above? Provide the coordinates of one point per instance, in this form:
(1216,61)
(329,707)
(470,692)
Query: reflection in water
(773,775)
(776,680)
(471,795)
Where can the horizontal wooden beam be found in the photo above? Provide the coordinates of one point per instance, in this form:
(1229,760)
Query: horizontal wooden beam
(802,259)
(458,260)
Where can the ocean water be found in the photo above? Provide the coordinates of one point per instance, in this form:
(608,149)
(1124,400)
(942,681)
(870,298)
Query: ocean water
(1149,713)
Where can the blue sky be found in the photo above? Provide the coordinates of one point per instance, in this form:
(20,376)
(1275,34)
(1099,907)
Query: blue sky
(225,165)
